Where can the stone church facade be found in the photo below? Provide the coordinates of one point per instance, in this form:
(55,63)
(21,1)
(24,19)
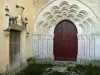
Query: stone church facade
(36,28)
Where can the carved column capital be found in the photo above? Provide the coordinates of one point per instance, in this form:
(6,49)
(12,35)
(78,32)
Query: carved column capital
(79,37)
(88,37)
(83,37)
(92,37)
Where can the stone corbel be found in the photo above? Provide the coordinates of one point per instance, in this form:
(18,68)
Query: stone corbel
(7,32)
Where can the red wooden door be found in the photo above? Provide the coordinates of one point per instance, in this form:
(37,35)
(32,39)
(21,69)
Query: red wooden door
(65,41)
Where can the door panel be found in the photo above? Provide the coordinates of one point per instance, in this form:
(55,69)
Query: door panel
(65,41)
(14,49)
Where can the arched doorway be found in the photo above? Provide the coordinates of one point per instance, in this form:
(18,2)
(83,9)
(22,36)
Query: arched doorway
(46,24)
(65,41)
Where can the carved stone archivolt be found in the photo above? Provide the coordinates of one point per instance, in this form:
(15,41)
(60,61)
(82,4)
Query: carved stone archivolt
(79,14)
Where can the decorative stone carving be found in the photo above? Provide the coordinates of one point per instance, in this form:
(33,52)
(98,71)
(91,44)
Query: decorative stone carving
(69,12)
(17,22)
(79,37)
(83,37)
(27,34)
(6,30)
(92,37)
(20,9)
(13,20)
(21,21)
(7,11)
(88,37)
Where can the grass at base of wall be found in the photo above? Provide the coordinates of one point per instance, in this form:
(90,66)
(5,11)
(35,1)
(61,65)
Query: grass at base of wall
(40,69)
(47,69)
(34,69)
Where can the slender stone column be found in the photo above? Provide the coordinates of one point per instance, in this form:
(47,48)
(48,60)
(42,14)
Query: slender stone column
(43,46)
(81,48)
(36,45)
(92,47)
(96,46)
(86,48)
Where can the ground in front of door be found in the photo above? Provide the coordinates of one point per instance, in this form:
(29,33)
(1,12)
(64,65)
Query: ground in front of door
(69,69)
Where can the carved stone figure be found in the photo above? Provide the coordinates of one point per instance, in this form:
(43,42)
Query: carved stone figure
(13,20)
(19,20)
